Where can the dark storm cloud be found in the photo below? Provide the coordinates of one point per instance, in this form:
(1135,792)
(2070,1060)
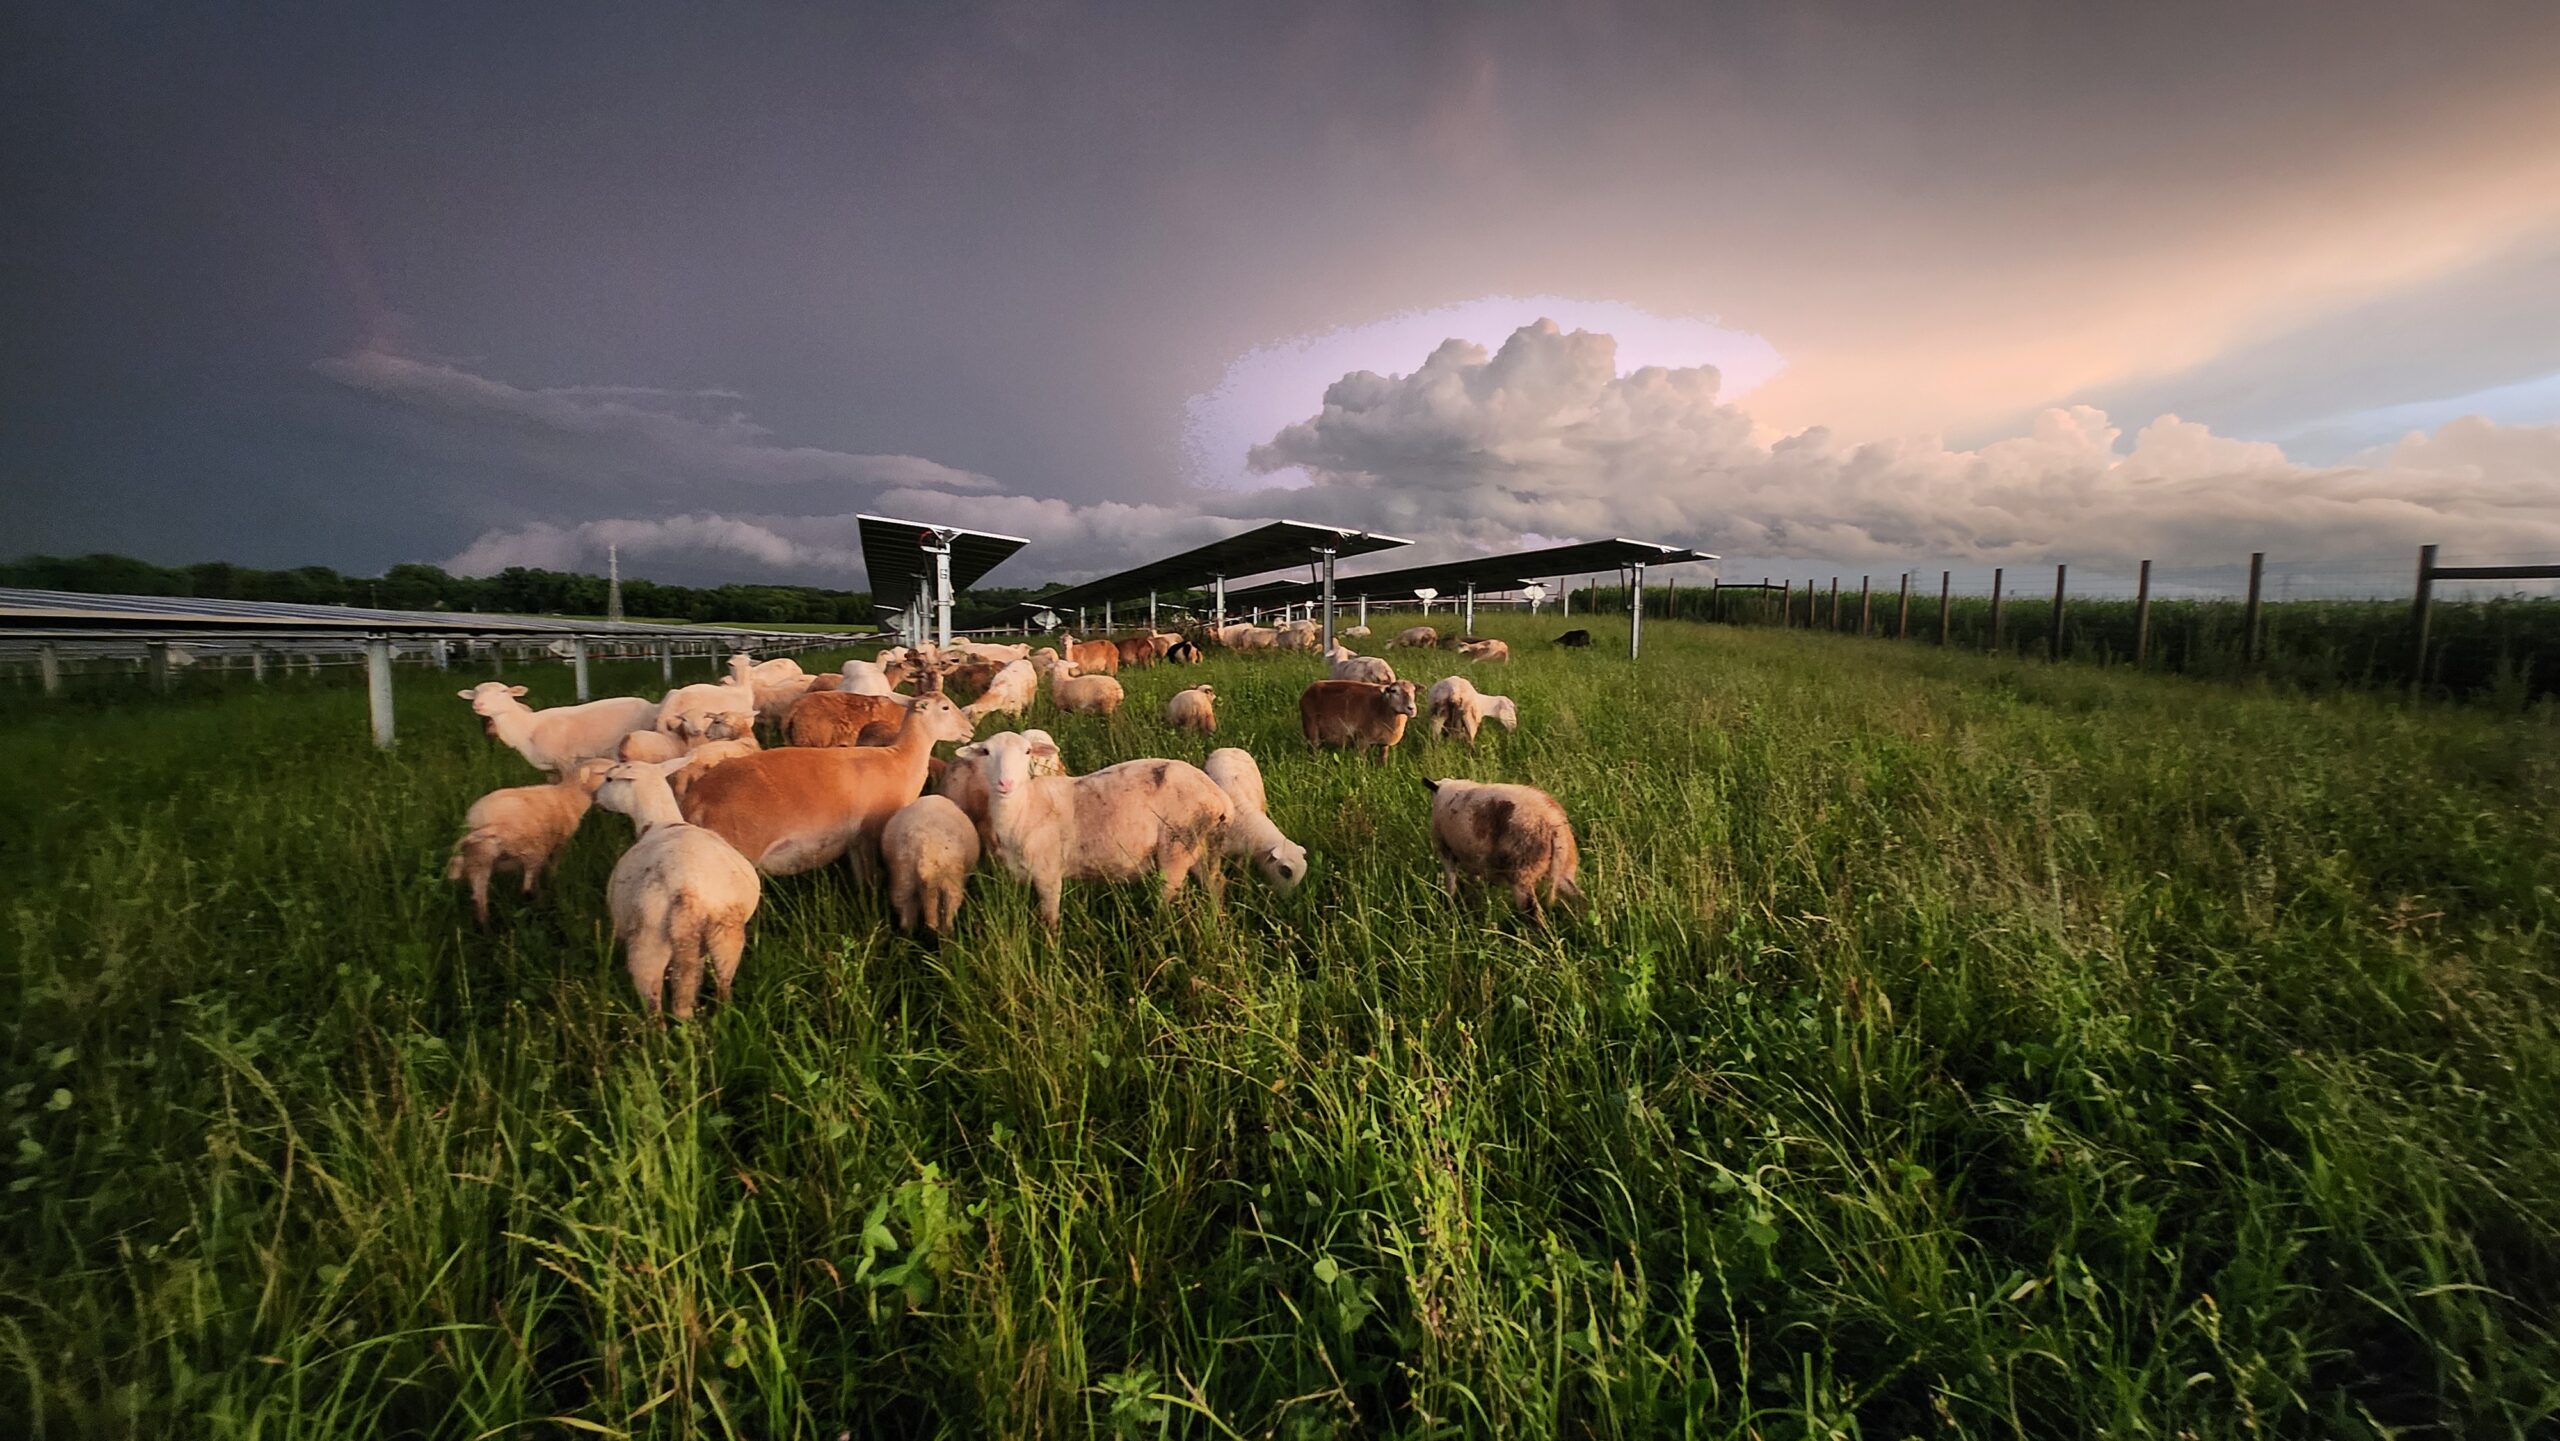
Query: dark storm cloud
(357,284)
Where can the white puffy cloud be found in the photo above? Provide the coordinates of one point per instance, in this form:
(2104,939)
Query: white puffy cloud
(1545,435)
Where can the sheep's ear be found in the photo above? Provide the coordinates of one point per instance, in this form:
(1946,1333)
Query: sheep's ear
(669,768)
(975,750)
(1430,785)
(516,690)
(1043,748)
(468,694)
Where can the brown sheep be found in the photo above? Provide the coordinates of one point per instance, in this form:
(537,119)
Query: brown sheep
(1516,836)
(1486,650)
(837,717)
(1356,714)
(797,809)
(1137,653)
(1092,657)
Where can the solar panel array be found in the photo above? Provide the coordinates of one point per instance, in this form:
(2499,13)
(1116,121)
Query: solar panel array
(1264,548)
(56,610)
(1485,573)
(901,569)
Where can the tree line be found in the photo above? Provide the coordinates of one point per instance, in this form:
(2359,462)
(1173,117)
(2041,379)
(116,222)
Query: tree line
(517,590)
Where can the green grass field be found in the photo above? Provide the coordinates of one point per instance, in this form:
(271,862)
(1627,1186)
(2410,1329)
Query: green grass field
(1956,1046)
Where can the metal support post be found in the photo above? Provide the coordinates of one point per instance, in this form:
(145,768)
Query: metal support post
(2418,613)
(578,663)
(1635,614)
(1106,617)
(1217,600)
(1151,612)
(158,652)
(377,687)
(2249,640)
(667,662)
(1327,553)
(942,592)
(1467,611)
(49,667)
(1996,576)
(258,664)
(2142,617)
(444,659)
(1364,610)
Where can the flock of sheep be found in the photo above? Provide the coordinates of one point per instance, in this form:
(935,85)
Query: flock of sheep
(715,811)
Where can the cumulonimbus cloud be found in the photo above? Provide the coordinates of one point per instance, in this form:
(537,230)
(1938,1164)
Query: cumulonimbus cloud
(1545,435)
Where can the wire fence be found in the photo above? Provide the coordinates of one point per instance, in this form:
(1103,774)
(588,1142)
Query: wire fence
(2317,627)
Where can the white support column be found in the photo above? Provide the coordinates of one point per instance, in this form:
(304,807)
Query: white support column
(258,664)
(1217,600)
(667,661)
(1364,610)
(1635,614)
(444,660)
(1467,617)
(1151,612)
(1327,553)
(49,666)
(578,663)
(942,594)
(1106,616)
(158,663)
(377,688)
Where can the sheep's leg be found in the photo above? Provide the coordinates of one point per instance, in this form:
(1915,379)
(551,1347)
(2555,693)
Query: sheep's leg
(1449,877)
(687,950)
(904,900)
(1213,876)
(480,893)
(1177,869)
(728,946)
(647,954)
(1524,896)
(1047,887)
(532,876)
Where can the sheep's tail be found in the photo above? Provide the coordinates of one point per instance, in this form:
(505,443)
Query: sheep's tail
(481,842)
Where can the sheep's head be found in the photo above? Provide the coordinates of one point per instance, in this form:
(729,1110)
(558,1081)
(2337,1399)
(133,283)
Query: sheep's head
(619,780)
(493,697)
(1400,698)
(1283,865)
(942,720)
(586,775)
(1010,759)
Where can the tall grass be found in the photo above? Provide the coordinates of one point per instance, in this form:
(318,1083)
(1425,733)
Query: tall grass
(1955,1046)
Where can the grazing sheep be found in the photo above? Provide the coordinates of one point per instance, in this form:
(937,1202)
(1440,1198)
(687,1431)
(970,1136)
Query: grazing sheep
(1249,637)
(837,718)
(1576,638)
(799,808)
(1010,692)
(1116,824)
(1164,641)
(680,895)
(1455,641)
(523,829)
(747,669)
(1183,652)
(972,676)
(1084,694)
(554,740)
(1091,657)
(717,711)
(1299,635)
(1459,709)
(964,781)
(1137,653)
(1515,836)
(1282,861)
(1364,667)
(990,652)
(1417,635)
(775,684)
(929,846)
(1356,632)
(1478,650)
(862,677)
(1195,709)
(1355,714)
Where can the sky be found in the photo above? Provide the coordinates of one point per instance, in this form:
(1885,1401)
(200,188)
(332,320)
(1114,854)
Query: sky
(1806,285)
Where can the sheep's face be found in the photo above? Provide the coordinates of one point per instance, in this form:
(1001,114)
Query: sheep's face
(1284,865)
(942,720)
(1400,698)
(491,697)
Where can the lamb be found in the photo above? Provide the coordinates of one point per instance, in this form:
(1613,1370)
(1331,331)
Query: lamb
(1458,709)
(523,829)
(718,711)
(1356,714)
(1516,836)
(1480,650)
(1364,667)
(964,781)
(1282,861)
(1116,824)
(554,740)
(1417,635)
(1194,709)
(837,718)
(1137,653)
(799,808)
(1010,693)
(679,895)
(1576,638)
(1093,657)
(929,846)
(1084,694)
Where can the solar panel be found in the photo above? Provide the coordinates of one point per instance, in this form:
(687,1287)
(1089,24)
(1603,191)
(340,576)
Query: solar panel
(1264,548)
(69,610)
(900,568)
(1485,573)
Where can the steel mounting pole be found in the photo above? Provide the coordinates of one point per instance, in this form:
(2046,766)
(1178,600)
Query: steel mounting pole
(1635,614)
(377,688)
(1327,553)
(578,662)
(1467,612)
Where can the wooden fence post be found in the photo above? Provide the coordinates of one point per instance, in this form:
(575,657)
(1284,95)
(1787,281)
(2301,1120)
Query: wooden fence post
(1866,608)
(1902,610)
(1996,576)
(2142,617)
(1835,604)
(1787,605)
(2249,620)
(1946,582)
(2425,602)
(2053,642)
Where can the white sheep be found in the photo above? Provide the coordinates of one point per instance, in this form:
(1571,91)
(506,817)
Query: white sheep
(930,846)
(1083,694)
(1116,824)
(714,711)
(1357,631)
(1010,693)
(554,740)
(1512,836)
(523,829)
(1282,861)
(1364,667)
(1458,709)
(1194,709)
(678,896)
(964,780)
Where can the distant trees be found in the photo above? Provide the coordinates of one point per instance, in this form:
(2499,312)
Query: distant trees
(518,590)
